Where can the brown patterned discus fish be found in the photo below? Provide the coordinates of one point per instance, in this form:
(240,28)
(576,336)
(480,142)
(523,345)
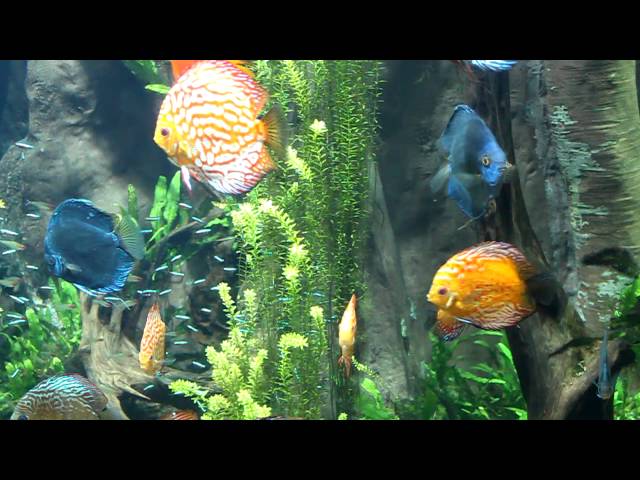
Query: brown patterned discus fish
(181,415)
(151,354)
(63,397)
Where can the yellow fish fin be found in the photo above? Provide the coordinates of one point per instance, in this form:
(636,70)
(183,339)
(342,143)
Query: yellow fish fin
(244,66)
(275,125)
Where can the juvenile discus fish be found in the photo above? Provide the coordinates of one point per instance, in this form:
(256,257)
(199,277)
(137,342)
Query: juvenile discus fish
(62,397)
(152,345)
(490,286)
(347,335)
(210,128)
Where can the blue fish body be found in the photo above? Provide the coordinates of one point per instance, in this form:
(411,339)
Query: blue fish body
(476,165)
(81,247)
(492,65)
(605,384)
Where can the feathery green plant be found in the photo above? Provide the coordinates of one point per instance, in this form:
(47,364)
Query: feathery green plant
(486,390)
(301,231)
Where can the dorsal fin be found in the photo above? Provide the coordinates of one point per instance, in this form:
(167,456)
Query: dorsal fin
(179,67)
(244,66)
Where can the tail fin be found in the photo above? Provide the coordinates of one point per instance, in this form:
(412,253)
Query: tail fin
(276,126)
(179,67)
(548,293)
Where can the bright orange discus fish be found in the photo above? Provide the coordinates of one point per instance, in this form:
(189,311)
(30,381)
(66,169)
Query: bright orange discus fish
(347,335)
(151,354)
(210,128)
(490,286)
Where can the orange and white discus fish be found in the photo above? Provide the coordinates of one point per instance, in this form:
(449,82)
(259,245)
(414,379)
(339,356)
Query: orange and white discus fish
(347,335)
(152,346)
(490,286)
(210,128)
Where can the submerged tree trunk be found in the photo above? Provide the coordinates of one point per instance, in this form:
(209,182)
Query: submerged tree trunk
(576,138)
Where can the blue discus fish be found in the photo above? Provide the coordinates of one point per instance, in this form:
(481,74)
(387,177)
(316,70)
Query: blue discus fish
(90,248)
(606,384)
(476,166)
(491,65)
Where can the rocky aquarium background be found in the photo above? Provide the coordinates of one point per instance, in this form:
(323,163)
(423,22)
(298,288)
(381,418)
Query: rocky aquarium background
(571,128)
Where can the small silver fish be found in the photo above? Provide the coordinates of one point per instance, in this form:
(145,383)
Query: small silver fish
(8,232)
(183,317)
(202,231)
(606,384)
(176,258)
(165,292)
(185,205)
(24,145)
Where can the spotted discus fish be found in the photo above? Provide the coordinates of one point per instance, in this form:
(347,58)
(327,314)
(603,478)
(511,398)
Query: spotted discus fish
(63,397)
(347,335)
(490,286)
(152,346)
(181,415)
(210,128)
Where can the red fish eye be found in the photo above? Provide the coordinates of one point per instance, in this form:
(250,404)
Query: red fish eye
(164,132)
(442,291)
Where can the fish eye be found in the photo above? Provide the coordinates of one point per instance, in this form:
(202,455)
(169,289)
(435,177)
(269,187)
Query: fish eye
(486,161)
(23,417)
(442,291)
(164,132)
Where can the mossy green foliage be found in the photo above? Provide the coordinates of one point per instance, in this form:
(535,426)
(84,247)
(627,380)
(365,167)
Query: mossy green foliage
(150,73)
(302,230)
(626,401)
(238,368)
(39,344)
(484,391)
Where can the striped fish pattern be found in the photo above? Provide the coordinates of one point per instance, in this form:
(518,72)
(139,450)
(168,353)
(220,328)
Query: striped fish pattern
(62,397)
(209,126)
(181,415)
(152,345)
(484,286)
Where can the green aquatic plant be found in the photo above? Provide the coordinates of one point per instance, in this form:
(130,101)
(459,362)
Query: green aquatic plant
(150,73)
(238,368)
(483,391)
(301,232)
(39,343)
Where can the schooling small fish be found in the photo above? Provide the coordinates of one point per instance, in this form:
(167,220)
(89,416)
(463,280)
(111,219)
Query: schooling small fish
(606,384)
(152,345)
(476,166)
(181,415)
(62,397)
(490,286)
(209,126)
(90,248)
(347,335)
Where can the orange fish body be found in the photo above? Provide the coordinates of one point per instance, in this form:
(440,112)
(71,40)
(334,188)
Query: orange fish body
(209,126)
(485,286)
(347,335)
(152,346)
(181,415)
